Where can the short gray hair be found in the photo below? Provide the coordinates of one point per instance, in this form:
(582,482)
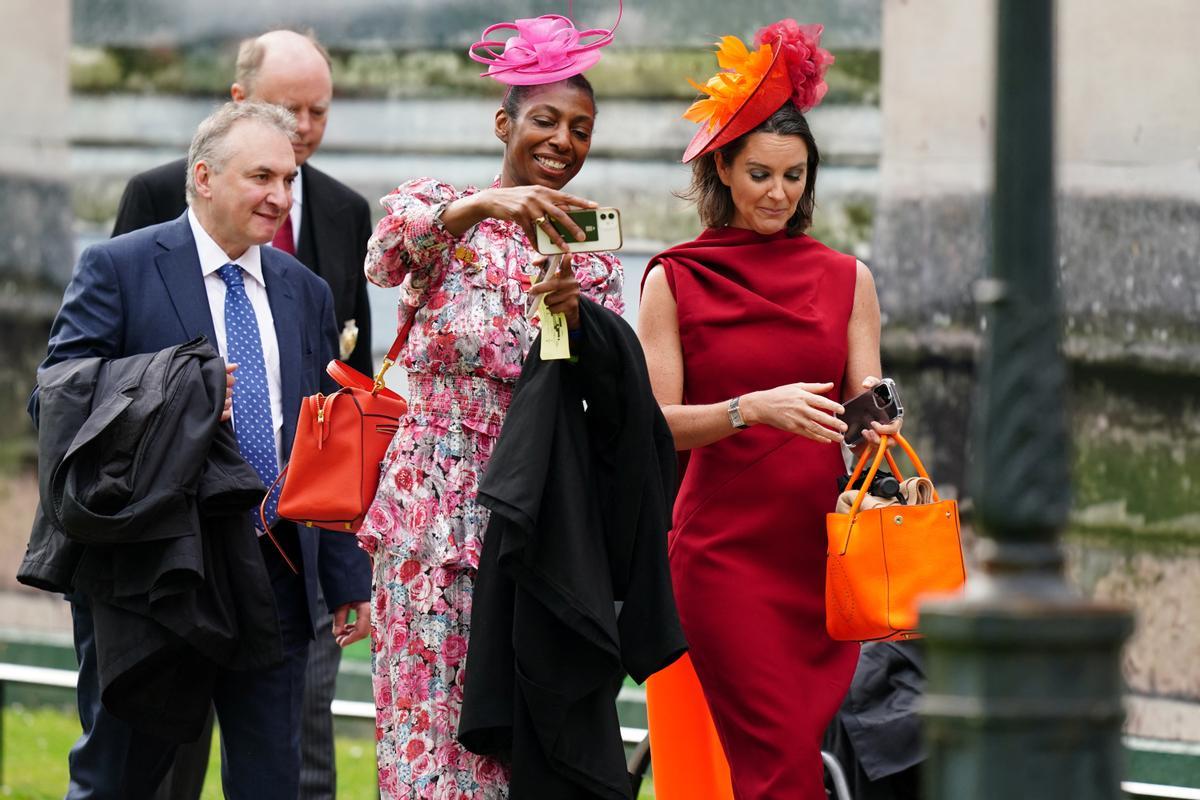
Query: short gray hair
(208,143)
(252,51)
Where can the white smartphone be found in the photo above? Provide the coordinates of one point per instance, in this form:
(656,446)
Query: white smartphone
(601,227)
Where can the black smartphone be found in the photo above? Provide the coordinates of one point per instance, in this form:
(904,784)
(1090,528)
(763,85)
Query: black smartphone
(881,403)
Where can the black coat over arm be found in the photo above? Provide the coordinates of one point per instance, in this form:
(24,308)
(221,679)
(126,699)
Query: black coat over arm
(581,503)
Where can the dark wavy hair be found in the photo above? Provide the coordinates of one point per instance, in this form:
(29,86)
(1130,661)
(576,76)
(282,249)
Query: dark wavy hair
(517,94)
(713,199)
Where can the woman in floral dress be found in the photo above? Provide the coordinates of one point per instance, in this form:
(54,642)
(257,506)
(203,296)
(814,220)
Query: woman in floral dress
(467,270)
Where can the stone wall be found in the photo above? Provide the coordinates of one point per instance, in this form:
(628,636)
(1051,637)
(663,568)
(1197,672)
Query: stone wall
(362,24)
(1128,177)
(409,102)
(36,249)
(1128,174)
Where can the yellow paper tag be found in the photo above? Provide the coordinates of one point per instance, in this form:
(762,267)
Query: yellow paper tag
(555,344)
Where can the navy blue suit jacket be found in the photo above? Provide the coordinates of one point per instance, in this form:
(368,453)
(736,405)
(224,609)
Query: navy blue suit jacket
(144,291)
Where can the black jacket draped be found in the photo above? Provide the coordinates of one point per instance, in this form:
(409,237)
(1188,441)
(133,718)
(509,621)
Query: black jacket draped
(144,508)
(876,734)
(581,503)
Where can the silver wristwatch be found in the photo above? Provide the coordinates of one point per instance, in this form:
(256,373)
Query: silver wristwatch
(735,414)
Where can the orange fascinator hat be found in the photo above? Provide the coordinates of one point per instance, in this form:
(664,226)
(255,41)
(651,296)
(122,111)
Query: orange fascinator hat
(788,64)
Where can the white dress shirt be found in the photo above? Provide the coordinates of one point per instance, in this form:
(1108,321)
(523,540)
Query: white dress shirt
(212,258)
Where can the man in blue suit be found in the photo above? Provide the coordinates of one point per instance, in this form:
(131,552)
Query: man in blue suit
(206,273)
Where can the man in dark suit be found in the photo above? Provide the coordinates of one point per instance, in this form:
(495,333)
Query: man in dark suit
(327,230)
(330,223)
(206,273)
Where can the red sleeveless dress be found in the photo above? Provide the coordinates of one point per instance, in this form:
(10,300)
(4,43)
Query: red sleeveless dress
(747,547)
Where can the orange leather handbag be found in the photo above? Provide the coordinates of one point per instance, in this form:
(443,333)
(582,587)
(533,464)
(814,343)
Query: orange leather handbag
(340,442)
(882,561)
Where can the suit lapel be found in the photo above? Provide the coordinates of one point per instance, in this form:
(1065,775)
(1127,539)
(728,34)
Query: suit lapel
(310,211)
(287,316)
(179,267)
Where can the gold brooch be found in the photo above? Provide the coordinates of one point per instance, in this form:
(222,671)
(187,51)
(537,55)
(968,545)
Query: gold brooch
(466,255)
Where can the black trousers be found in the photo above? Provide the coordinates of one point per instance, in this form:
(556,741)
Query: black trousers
(258,710)
(318,773)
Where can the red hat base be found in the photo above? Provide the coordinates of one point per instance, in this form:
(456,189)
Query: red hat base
(771,93)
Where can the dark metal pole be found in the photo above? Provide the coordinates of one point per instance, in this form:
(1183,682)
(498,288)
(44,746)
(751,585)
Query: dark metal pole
(1024,695)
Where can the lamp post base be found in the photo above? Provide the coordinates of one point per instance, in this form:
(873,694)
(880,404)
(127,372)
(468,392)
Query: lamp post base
(1024,699)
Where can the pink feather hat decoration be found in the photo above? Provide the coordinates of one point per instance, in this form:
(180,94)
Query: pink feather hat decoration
(543,49)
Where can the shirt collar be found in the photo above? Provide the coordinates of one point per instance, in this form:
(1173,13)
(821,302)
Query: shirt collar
(212,257)
(298,188)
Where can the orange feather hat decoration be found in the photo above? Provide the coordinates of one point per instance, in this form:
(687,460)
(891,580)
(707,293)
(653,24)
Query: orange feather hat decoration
(753,84)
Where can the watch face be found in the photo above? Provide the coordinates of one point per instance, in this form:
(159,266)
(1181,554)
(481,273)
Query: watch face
(735,414)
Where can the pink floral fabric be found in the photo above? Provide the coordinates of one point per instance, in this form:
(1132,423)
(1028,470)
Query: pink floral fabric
(425,529)
(419,638)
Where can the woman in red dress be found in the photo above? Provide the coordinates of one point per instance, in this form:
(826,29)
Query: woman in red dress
(753,333)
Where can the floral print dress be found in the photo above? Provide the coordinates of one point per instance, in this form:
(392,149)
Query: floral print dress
(424,530)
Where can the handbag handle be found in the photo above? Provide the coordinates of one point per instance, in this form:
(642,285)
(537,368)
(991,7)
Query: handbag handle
(394,351)
(880,454)
(350,378)
(262,515)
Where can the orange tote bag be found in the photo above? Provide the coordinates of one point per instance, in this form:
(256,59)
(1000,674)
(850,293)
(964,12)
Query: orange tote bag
(882,561)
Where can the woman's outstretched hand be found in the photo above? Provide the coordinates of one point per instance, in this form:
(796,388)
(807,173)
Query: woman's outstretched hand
(799,408)
(561,290)
(534,206)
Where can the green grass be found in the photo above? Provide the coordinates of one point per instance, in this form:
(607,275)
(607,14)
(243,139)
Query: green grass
(36,742)
(359,651)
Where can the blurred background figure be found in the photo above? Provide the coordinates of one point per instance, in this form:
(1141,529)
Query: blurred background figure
(876,734)
(330,223)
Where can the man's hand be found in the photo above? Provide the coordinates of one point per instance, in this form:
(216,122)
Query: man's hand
(227,412)
(347,633)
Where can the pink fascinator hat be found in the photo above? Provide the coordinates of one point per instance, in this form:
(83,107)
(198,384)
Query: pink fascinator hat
(541,50)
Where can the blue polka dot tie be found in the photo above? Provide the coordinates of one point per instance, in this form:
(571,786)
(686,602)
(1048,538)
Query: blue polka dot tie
(251,397)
